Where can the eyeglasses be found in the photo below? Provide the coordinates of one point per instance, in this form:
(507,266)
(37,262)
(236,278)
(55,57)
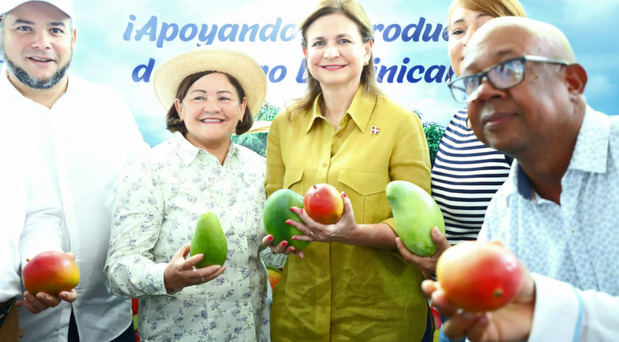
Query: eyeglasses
(503,75)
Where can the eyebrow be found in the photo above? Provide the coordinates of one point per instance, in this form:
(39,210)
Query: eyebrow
(205,92)
(28,22)
(461,20)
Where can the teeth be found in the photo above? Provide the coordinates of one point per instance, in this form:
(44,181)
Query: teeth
(211,120)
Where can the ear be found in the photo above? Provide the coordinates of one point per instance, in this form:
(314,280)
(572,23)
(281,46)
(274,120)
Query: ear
(368,52)
(179,108)
(243,107)
(304,51)
(576,78)
(74,38)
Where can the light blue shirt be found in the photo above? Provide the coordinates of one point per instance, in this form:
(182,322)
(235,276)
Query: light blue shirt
(578,241)
(575,242)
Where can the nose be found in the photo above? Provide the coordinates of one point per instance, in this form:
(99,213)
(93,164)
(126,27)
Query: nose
(41,40)
(211,105)
(331,51)
(485,92)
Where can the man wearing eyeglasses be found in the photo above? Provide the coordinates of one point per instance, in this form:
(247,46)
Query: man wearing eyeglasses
(557,210)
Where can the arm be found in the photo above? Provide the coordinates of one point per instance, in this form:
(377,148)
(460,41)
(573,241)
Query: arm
(42,227)
(584,315)
(543,310)
(136,224)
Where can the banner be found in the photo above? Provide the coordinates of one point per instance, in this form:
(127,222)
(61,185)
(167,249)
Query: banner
(121,44)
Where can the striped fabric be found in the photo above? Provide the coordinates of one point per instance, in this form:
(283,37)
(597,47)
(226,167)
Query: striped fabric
(465,176)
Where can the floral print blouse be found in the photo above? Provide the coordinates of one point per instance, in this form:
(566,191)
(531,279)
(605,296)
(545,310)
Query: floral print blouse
(159,200)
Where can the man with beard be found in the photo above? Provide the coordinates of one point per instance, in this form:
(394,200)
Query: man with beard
(89,134)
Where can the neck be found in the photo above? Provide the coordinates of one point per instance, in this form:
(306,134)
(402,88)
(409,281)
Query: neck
(219,150)
(336,101)
(45,97)
(547,162)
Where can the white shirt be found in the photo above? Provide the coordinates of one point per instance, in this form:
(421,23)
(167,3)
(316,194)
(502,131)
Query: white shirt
(564,313)
(159,201)
(31,214)
(90,134)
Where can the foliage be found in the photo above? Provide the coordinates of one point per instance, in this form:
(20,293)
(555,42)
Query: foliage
(258,141)
(434,133)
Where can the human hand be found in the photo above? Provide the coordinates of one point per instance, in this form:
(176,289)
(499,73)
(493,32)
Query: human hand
(41,301)
(427,265)
(511,322)
(181,272)
(315,231)
(282,247)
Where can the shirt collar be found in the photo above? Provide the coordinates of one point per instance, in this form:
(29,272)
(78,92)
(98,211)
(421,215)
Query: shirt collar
(590,151)
(360,109)
(188,152)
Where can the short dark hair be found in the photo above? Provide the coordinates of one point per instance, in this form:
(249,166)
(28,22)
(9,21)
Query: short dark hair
(175,124)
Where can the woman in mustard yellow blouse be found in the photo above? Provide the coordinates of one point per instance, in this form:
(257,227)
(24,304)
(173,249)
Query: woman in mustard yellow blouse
(350,284)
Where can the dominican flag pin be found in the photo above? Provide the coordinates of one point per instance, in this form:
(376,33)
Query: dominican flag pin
(374,130)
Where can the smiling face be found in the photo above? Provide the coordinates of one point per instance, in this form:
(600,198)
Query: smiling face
(531,115)
(464,22)
(38,44)
(211,110)
(335,51)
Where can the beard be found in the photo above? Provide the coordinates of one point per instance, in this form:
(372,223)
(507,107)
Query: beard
(25,78)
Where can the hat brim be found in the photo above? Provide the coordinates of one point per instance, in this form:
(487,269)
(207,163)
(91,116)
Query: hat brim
(243,68)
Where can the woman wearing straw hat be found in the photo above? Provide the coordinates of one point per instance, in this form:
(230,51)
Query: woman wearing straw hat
(350,284)
(210,95)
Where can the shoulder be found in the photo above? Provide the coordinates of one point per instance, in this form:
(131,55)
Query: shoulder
(395,115)
(253,164)
(85,90)
(248,155)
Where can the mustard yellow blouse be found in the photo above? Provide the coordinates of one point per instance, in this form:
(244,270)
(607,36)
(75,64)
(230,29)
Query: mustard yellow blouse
(342,292)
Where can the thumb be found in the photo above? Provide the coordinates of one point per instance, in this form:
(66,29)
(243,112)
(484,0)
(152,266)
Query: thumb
(182,253)
(439,240)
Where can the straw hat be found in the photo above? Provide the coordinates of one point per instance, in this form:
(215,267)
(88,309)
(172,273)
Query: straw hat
(64,5)
(169,75)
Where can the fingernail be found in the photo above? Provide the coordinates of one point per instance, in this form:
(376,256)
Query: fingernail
(344,195)
(288,221)
(294,237)
(285,243)
(293,210)
(270,237)
(291,249)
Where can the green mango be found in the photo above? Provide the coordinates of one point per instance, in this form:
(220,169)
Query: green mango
(209,239)
(415,214)
(277,211)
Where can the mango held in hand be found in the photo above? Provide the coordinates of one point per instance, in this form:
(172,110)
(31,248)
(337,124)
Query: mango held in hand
(323,203)
(479,276)
(415,214)
(277,211)
(209,239)
(50,272)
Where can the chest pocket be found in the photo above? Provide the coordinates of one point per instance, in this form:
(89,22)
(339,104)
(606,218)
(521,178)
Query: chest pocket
(293,180)
(366,191)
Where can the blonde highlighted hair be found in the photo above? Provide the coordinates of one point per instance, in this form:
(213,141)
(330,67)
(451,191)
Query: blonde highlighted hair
(494,8)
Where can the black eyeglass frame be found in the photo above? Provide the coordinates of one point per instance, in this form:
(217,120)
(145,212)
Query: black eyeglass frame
(484,74)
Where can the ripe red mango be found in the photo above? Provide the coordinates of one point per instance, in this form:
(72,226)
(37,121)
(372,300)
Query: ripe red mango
(323,203)
(479,276)
(50,272)
(274,276)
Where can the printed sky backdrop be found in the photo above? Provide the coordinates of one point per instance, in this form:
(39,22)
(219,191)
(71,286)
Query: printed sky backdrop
(109,51)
